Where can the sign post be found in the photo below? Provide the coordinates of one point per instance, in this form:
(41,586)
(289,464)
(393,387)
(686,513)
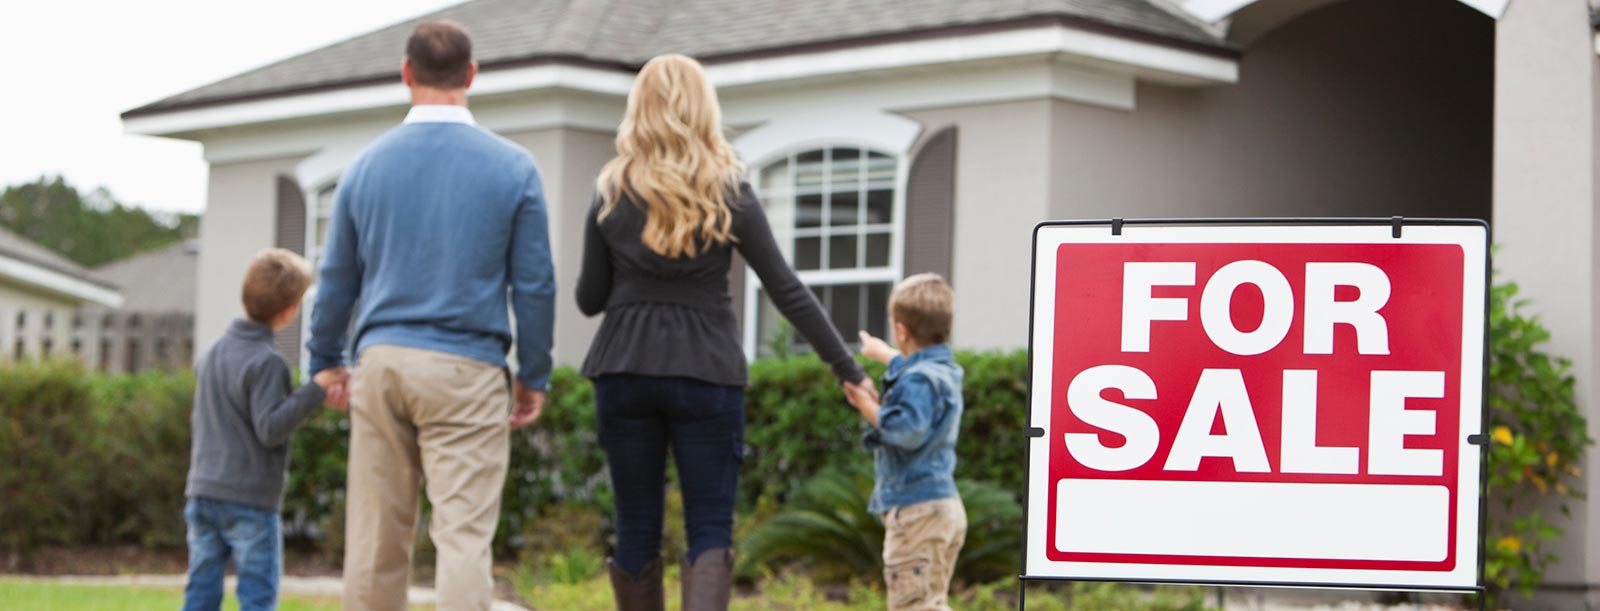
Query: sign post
(1258,402)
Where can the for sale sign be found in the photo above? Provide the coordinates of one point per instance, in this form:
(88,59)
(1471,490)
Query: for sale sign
(1257,403)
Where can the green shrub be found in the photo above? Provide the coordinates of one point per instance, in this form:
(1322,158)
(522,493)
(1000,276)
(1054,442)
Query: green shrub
(827,528)
(48,467)
(91,459)
(1537,439)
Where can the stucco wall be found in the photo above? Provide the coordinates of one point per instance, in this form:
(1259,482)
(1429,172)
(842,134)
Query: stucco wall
(1546,223)
(239,221)
(569,159)
(1351,110)
(1002,183)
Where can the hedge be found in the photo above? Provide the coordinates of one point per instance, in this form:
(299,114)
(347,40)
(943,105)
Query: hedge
(102,459)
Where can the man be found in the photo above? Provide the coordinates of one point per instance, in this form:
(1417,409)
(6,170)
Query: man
(433,226)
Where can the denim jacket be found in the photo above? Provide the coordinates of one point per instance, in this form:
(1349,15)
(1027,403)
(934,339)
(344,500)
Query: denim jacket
(914,444)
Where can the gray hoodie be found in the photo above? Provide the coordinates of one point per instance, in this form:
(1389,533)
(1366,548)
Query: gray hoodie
(245,411)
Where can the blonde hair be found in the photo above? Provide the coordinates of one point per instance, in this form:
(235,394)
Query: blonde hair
(925,304)
(275,280)
(673,161)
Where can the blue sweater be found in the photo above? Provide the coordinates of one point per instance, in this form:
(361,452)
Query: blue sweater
(914,444)
(435,227)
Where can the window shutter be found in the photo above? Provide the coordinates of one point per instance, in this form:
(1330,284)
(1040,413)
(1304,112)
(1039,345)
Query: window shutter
(930,206)
(290,235)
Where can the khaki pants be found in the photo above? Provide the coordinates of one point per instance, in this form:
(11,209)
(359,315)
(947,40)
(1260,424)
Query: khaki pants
(920,545)
(423,416)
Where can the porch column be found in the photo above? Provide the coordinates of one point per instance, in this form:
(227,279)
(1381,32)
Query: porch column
(1545,222)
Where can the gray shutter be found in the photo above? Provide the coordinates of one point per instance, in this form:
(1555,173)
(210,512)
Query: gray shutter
(290,235)
(931,206)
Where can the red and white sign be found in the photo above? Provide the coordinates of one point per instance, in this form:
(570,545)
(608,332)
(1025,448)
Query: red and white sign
(1253,403)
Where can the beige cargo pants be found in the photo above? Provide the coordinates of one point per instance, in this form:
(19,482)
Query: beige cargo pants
(420,416)
(920,545)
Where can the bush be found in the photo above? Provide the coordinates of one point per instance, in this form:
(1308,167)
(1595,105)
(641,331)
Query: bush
(91,459)
(828,529)
(1538,436)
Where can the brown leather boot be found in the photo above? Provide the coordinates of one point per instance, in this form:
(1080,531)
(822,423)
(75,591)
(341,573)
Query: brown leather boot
(708,581)
(642,593)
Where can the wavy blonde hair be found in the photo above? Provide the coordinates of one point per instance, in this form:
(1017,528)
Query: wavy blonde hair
(673,161)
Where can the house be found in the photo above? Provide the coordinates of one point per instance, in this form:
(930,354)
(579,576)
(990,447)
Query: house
(157,281)
(889,138)
(40,293)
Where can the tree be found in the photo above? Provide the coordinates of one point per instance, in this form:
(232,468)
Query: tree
(91,229)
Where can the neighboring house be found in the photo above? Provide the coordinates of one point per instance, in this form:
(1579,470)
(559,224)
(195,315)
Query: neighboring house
(40,294)
(159,281)
(157,313)
(894,137)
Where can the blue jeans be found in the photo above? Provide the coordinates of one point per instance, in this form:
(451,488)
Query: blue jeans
(703,423)
(219,530)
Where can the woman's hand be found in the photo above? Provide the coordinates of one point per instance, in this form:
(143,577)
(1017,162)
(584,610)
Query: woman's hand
(876,349)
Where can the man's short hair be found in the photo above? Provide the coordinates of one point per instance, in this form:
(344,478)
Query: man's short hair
(925,304)
(440,53)
(275,280)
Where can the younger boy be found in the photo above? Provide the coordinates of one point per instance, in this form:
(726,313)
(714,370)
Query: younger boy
(245,410)
(913,440)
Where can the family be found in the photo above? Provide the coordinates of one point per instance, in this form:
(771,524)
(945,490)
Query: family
(438,261)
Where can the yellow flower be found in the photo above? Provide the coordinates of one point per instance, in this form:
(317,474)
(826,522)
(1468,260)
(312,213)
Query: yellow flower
(1510,543)
(1502,434)
(1551,459)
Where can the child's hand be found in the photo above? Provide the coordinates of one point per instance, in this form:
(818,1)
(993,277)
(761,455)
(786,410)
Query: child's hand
(335,381)
(876,349)
(864,399)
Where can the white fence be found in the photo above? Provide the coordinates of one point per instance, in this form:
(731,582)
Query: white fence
(111,341)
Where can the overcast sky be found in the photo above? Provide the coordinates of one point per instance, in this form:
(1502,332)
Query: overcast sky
(72,66)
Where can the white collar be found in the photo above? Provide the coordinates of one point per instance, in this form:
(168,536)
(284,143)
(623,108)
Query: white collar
(439,113)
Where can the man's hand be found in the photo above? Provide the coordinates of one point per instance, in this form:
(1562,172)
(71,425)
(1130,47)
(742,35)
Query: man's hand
(530,403)
(335,381)
(876,349)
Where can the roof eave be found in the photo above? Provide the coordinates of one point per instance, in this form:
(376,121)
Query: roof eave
(51,280)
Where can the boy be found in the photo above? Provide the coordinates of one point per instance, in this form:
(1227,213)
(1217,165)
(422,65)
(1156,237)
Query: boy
(244,414)
(913,440)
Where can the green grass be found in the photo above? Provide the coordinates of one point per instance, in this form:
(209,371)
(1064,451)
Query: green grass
(24,595)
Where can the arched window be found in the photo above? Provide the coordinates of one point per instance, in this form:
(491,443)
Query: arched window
(835,212)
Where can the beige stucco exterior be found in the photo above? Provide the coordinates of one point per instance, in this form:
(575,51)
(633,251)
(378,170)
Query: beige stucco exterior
(239,222)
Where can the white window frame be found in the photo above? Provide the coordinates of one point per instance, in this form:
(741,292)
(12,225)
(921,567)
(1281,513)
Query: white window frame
(829,277)
(810,129)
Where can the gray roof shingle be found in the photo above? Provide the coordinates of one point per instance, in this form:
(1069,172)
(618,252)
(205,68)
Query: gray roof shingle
(625,33)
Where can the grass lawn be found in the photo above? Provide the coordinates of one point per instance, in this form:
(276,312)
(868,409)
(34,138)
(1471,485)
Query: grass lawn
(23,595)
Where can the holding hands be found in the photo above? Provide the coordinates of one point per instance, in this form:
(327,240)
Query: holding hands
(335,381)
(863,396)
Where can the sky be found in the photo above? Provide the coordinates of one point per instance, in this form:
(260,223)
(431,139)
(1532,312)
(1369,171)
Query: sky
(71,67)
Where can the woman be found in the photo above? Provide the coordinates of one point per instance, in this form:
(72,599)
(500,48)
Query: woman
(667,362)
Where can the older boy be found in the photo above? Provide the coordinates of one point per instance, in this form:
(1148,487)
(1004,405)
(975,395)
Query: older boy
(245,410)
(913,440)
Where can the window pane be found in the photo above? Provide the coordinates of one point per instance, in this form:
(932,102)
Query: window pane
(878,250)
(808,253)
(845,169)
(880,168)
(844,209)
(845,309)
(808,169)
(878,310)
(842,252)
(880,206)
(808,211)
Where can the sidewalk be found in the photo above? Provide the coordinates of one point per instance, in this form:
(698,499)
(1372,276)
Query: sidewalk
(322,587)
